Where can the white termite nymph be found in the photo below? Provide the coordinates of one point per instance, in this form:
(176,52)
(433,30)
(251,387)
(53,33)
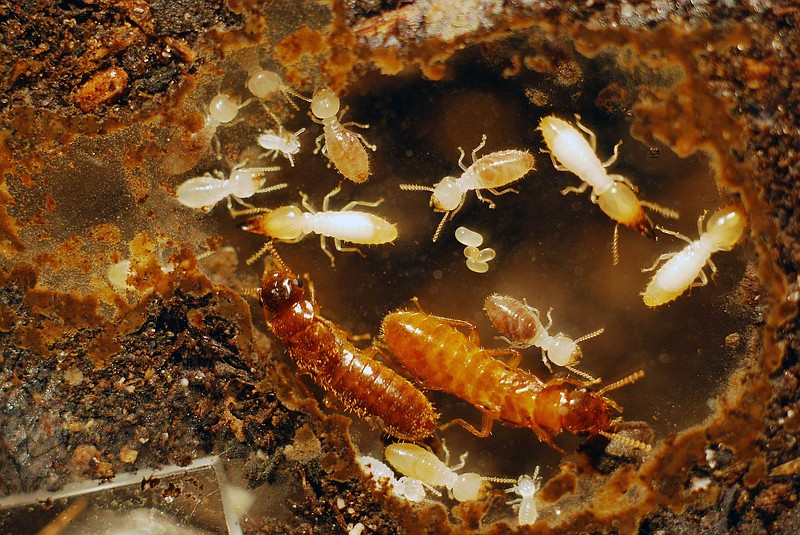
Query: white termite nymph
(526,487)
(343,148)
(418,463)
(614,194)
(205,191)
(291,224)
(522,327)
(222,111)
(683,268)
(489,172)
(282,141)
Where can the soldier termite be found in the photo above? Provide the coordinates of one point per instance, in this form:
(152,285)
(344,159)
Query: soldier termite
(350,375)
(522,327)
(343,148)
(682,268)
(489,172)
(435,353)
(205,191)
(418,463)
(570,151)
(291,224)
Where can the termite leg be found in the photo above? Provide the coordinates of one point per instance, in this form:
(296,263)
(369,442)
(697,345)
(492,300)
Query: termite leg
(676,234)
(592,137)
(556,165)
(307,205)
(549,319)
(613,158)
(326,201)
(625,180)
(713,268)
(573,189)
(317,143)
(485,430)
(703,279)
(324,246)
(338,244)
(494,191)
(476,149)
(363,140)
(567,380)
(546,361)
(353,204)
(484,199)
(663,257)
(513,360)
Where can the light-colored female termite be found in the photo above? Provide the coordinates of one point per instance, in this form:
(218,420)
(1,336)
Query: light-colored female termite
(684,267)
(418,463)
(291,224)
(526,487)
(343,148)
(570,151)
(282,141)
(489,172)
(522,327)
(435,353)
(204,192)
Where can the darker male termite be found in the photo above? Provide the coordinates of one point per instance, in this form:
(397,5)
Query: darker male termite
(441,357)
(352,376)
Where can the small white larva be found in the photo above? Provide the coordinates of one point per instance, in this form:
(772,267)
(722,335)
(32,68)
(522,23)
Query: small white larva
(683,268)
(205,191)
(282,141)
(526,487)
(488,172)
(291,224)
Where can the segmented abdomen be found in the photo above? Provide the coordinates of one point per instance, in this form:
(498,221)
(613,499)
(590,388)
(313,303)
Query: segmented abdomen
(498,169)
(512,317)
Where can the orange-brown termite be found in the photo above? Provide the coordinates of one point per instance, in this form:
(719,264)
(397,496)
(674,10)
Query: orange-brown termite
(438,355)
(352,376)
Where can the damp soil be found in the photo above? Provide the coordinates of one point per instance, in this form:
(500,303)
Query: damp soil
(99,116)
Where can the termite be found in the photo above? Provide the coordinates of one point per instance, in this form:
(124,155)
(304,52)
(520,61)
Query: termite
(291,224)
(222,110)
(282,141)
(683,268)
(489,172)
(570,151)
(343,148)
(263,84)
(406,487)
(205,191)
(435,353)
(418,463)
(522,327)
(526,487)
(352,376)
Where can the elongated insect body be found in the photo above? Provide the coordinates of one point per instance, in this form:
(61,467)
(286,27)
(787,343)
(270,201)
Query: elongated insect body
(682,269)
(406,487)
(441,357)
(343,148)
(570,151)
(204,192)
(280,142)
(291,224)
(489,172)
(360,383)
(418,463)
(526,487)
(521,324)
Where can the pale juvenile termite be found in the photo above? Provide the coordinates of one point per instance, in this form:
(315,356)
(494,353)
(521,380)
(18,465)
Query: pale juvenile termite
(205,191)
(526,487)
(343,148)
(351,376)
(489,172)
(291,224)
(418,463)
(280,141)
(222,111)
(615,194)
(683,268)
(521,325)
(435,353)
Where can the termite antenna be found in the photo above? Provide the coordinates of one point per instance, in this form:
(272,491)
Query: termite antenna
(441,226)
(252,292)
(638,444)
(503,480)
(581,373)
(630,379)
(415,187)
(275,187)
(598,332)
(615,246)
(258,254)
(249,211)
(663,210)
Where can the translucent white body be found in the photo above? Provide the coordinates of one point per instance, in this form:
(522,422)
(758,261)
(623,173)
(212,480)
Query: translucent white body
(682,269)
(405,487)
(468,237)
(418,463)
(571,151)
(343,148)
(264,83)
(283,142)
(522,325)
(291,224)
(203,192)
(526,488)
(489,172)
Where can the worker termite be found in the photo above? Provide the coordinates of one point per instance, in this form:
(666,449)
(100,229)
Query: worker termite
(683,268)
(489,172)
(291,224)
(350,375)
(435,353)
(263,84)
(205,191)
(282,141)
(526,487)
(343,148)
(222,110)
(570,151)
(418,463)
(522,327)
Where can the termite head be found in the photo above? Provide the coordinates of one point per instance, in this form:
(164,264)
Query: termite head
(324,103)
(725,227)
(576,411)
(243,182)
(280,291)
(284,223)
(564,351)
(619,202)
(447,196)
